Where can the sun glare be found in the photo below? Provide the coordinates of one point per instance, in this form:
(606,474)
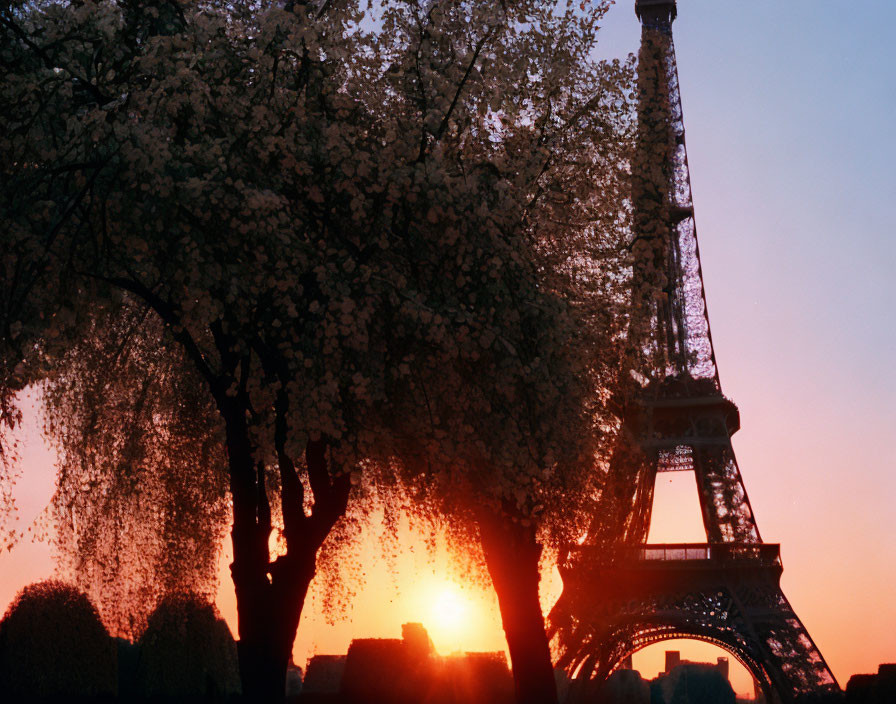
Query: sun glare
(449,609)
(449,616)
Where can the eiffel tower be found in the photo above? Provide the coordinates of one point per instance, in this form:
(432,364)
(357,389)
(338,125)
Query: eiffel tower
(621,594)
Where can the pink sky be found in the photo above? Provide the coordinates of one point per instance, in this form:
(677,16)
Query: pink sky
(789,115)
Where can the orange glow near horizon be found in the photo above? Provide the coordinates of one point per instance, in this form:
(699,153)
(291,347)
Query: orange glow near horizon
(457,610)
(461,613)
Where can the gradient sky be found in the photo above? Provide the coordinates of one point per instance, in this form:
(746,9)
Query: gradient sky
(789,109)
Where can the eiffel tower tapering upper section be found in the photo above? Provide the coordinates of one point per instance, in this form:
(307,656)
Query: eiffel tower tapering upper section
(670,329)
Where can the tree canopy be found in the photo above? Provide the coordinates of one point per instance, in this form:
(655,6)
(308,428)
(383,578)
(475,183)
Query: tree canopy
(382,236)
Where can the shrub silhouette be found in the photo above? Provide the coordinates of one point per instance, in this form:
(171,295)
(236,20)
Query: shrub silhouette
(53,645)
(625,687)
(187,652)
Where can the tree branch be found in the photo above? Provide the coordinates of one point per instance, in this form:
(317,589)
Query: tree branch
(264,508)
(463,82)
(168,315)
(318,476)
(330,492)
(98,95)
(292,493)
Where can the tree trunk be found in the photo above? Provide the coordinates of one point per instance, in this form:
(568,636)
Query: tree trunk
(511,554)
(269,596)
(262,671)
(267,636)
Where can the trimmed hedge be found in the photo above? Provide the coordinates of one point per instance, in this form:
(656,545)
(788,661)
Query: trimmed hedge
(187,652)
(53,644)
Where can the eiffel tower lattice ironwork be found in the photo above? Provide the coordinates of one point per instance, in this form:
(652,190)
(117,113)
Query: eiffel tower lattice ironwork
(619,593)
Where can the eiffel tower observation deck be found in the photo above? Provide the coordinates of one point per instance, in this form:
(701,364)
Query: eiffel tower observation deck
(621,594)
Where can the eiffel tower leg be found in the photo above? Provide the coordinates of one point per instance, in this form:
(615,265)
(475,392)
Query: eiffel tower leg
(727,514)
(792,659)
(623,512)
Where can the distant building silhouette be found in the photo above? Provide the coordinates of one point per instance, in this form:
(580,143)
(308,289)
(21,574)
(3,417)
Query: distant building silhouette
(873,689)
(417,639)
(682,682)
(381,670)
(407,670)
(692,683)
(323,674)
(673,660)
(689,682)
(471,678)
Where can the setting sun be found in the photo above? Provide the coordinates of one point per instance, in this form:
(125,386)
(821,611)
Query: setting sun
(448,614)
(449,609)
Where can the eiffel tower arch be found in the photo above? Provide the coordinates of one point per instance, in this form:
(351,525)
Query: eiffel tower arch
(621,594)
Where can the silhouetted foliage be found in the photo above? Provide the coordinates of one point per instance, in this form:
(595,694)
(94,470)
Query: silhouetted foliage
(380,235)
(53,644)
(187,652)
(624,687)
(141,498)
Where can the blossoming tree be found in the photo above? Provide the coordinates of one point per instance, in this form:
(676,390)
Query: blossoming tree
(379,237)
